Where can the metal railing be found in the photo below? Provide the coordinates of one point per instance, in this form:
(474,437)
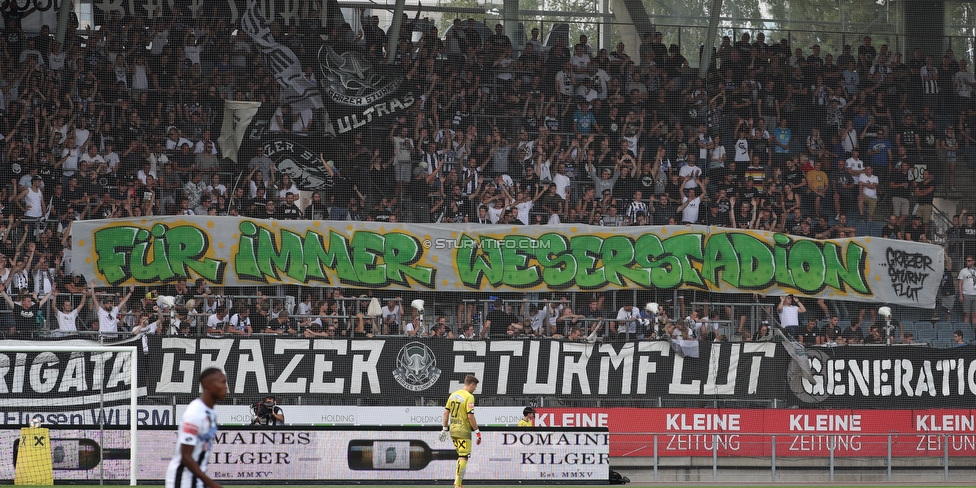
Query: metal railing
(725,317)
(756,313)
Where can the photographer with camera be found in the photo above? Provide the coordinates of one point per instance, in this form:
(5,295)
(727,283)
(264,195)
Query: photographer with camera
(267,412)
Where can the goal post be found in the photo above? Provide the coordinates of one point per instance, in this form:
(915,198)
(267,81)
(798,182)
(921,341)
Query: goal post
(28,366)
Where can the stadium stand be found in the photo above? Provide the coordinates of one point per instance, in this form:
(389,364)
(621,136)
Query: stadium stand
(124,121)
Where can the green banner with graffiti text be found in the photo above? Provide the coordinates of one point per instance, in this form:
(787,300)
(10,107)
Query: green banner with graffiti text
(472,257)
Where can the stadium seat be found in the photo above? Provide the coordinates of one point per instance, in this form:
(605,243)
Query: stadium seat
(944,333)
(909,314)
(876,231)
(909,317)
(944,329)
(969,335)
(871,228)
(967,331)
(941,343)
(925,332)
(909,327)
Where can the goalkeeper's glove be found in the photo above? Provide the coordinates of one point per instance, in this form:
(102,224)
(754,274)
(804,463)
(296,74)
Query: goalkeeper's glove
(443,437)
(478,433)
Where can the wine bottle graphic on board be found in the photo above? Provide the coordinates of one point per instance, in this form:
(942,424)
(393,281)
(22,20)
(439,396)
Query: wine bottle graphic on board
(394,454)
(78,454)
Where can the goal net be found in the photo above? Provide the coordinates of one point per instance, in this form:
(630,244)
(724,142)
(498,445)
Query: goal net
(69,412)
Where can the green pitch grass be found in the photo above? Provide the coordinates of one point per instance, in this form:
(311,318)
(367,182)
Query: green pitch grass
(655,485)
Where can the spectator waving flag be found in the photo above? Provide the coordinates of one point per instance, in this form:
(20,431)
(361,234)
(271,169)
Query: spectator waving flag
(297,91)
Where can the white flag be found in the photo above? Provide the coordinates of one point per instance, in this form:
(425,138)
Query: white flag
(237,116)
(798,352)
(686,348)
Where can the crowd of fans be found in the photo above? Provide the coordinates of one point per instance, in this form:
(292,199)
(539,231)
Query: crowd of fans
(121,121)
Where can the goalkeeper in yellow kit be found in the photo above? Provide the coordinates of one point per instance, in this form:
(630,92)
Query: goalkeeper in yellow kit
(459,422)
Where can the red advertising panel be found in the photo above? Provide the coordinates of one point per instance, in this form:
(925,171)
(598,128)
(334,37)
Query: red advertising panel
(747,432)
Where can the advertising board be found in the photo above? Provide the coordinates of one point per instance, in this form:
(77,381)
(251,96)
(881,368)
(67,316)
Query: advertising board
(52,416)
(747,432)
(351,415)
(335,454)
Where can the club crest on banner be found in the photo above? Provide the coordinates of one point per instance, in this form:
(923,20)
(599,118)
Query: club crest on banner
(359,91)
(807,385)
(352,79)
(416,367)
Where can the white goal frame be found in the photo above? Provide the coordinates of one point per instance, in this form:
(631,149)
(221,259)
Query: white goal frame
(133,352)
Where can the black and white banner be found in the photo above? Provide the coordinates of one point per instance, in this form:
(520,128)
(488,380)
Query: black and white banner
(301,158)
(842,377)
(52,381)
(360,91)
(887,377)
(297,90)
(286,12)
(402,367)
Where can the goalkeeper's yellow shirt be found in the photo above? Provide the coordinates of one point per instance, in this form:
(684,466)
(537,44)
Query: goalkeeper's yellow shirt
(459,405)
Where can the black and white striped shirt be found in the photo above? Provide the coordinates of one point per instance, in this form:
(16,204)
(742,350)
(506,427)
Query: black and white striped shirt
(198,428)
(930,87)
(634,209)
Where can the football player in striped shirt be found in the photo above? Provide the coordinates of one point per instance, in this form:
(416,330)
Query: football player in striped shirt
(195,439)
